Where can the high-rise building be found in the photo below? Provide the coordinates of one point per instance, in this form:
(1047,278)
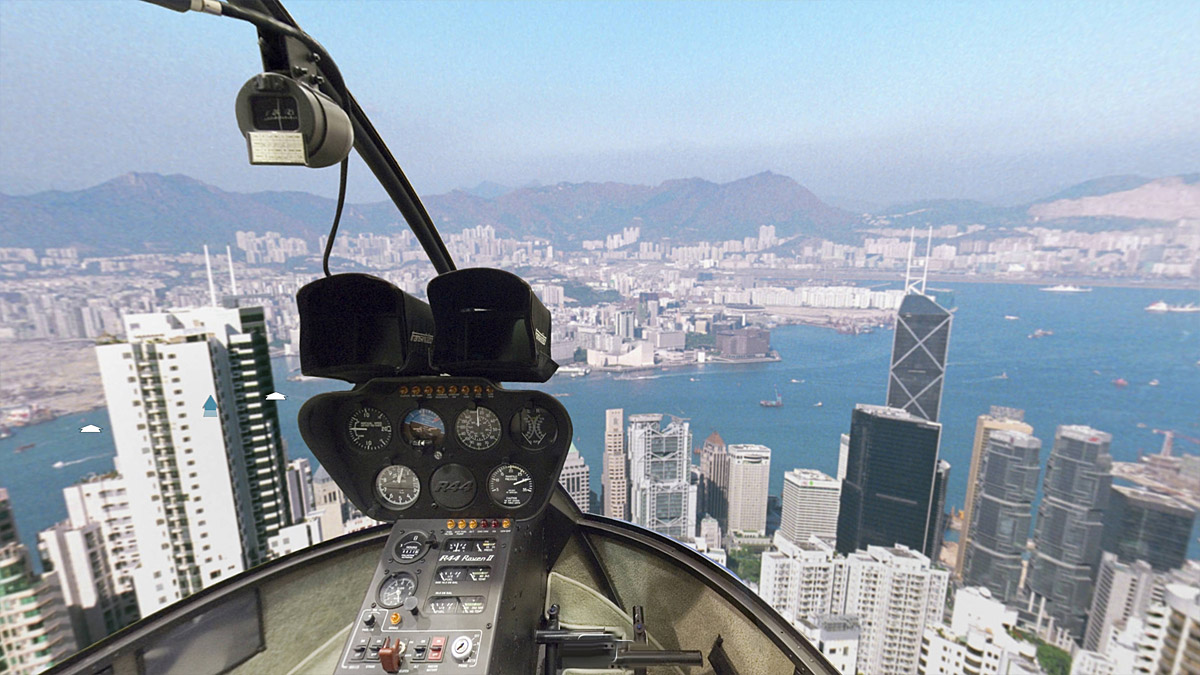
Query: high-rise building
(574,478)
(919,357)
(713,492)
(998,419)
(35,628)
(661,497)
(836,636)
(889,495)
(104,500)
(1075,491)
(977,641)
(1144,525)
(86,580)
(614,480)
(810,505)
(1122,590)
(1002,511)
(1181,647)
(749,476)
(198,445)
(894,593)
(299,489)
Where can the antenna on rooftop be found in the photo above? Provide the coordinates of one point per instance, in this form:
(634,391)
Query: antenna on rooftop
(212,290)
(912,284)
(232,280)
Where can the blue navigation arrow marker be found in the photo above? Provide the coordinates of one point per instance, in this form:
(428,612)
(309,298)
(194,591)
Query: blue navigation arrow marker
(210,407)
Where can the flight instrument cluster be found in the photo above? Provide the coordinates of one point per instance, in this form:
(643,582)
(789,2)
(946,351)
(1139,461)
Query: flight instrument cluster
(430,447)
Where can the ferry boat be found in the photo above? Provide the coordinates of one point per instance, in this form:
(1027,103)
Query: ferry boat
(1161,307)
(1065,288)
(1011,317)
(574,371)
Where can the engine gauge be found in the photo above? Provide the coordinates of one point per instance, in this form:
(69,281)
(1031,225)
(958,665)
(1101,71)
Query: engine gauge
(369,428)
(478,429)
(510,486)
(533,428)
(396,589)
(398,486)
(423,428)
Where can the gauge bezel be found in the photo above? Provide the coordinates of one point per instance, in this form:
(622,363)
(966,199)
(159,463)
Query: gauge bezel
(395,578)
(496,472)
(515,431)
(494,439)
(386,501)
(420,443)
(389,430)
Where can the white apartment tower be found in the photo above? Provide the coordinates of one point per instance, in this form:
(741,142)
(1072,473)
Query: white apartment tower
(299,489)
(661,496)
(749,475)
(198,445)
(894,592)
(574,478)
(614,481)
(35,629)
(810,505)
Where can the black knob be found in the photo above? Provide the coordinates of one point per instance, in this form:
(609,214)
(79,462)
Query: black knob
(410,603)
(369,620)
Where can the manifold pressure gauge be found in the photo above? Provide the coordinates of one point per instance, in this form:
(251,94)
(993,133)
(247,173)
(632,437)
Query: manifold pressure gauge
(510,486)
(397,486)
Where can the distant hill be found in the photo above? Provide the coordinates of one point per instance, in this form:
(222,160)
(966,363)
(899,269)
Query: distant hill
(141,212)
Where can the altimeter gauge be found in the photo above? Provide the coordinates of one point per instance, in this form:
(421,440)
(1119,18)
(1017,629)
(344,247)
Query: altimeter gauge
(369,428)
(397,486)
(478,429)
(510,486)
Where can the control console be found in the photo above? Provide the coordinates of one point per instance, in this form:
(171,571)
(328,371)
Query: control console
(438,595)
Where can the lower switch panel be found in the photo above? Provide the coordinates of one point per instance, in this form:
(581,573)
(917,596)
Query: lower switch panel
(433,601)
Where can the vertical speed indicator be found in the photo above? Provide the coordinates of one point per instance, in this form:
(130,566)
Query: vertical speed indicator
(369,428)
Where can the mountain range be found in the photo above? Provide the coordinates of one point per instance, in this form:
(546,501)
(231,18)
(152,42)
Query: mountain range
(144,212)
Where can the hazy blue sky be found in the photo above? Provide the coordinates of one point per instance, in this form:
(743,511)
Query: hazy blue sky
(870,101)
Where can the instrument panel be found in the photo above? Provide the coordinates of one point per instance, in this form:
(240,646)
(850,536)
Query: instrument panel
(428,447)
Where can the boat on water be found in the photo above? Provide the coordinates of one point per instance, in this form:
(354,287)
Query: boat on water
(777,403)
(1065,288)
(795,381)
(1002,376)
(1121,382)
(1161,307)
(574,371)
(1154,382)
(818,404)
(1040,333)
(23,448)
(59,464)
(1011,317)
(5,431)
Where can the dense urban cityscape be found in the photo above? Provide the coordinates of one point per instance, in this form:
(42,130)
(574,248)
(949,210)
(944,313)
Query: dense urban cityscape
(855,561)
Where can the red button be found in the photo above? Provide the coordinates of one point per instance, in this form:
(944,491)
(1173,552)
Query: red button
(437,642)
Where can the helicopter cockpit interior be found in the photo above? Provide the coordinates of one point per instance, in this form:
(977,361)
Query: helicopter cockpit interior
(483,563)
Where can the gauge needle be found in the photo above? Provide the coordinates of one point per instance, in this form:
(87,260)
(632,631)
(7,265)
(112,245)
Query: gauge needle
(523,480)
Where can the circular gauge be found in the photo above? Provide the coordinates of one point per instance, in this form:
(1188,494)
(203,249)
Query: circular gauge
(533,428)
(396,589)
(397,486)
(423,428)
(510,486)
(370,428)
(478,429)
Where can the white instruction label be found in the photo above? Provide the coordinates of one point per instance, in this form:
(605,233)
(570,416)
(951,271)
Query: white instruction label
(276,147)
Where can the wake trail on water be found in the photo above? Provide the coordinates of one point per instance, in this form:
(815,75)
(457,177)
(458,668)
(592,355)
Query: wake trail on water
(60,464)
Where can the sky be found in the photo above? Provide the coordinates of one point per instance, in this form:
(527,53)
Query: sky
(865,103)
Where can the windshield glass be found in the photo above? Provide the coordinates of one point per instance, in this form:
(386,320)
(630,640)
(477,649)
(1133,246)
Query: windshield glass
(885,275)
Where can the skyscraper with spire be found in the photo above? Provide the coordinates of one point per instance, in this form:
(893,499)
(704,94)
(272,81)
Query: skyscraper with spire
(919,348)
